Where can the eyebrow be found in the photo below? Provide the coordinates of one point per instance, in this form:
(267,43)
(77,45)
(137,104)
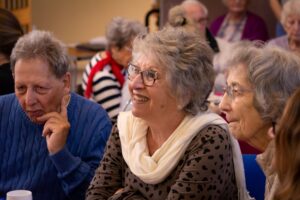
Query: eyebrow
(150,67)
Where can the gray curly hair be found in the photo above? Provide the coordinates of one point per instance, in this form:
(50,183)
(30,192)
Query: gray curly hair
(42,45)
(273,73)
(120,31)
(187,61)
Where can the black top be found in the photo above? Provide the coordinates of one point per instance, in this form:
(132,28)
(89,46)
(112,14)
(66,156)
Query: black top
(6,79)
(212,41)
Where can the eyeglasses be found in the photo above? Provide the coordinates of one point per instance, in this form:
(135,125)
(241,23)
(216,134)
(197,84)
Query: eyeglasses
(148,76)
(234,91)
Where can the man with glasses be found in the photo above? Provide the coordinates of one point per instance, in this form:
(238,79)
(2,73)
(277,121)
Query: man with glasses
(198,12)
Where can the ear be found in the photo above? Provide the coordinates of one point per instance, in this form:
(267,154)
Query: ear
(67,83)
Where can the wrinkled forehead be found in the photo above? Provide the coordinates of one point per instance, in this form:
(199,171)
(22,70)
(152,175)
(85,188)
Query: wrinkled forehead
(195,11)
(144,61)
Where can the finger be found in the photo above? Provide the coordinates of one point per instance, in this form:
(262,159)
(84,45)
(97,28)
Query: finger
(64,104)
(46,131)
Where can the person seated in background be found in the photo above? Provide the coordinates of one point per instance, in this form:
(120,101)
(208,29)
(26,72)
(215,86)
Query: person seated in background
(290,18)
(104,77)
(239,23)
(276,7)
(10,31)
(51,140)
(197,11)
(169,146)
(287,148)
(259,82)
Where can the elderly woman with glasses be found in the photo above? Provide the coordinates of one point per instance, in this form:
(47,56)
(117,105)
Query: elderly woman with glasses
(169,146)
(259,82)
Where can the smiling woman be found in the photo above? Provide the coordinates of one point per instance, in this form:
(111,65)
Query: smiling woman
(169,146)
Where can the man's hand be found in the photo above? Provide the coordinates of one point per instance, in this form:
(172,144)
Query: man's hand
(56,127)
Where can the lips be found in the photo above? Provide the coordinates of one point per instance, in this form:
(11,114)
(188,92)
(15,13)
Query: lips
(139,99)
(34,114)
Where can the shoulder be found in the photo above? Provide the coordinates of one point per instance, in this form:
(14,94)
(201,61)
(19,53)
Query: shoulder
(216,24)
(96,58)
(8,99)
(253,17)
(219,19)
(211,137)
(86,107)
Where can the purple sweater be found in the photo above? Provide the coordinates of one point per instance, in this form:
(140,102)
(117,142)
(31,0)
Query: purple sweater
(255,27)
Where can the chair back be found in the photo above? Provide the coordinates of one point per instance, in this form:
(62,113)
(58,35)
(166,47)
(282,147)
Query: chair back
(255,178)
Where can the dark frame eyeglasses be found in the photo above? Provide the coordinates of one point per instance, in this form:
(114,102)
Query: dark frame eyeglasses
(148,76)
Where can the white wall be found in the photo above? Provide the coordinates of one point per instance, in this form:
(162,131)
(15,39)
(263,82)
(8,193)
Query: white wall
(75,21)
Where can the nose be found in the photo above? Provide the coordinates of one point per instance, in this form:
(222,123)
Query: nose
(225,105)
(137,82)
(30,98)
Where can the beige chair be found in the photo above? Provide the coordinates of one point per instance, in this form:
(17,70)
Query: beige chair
(22,10)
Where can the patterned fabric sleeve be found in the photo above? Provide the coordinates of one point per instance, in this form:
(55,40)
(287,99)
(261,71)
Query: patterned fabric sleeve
(88,69)
(108,176)
(208,168)
(106,89)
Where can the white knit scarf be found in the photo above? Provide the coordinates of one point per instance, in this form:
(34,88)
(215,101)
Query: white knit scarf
(154,169)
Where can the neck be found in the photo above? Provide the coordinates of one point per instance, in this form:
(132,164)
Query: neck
(3,59)
(162,129)
(294,45)
(235,17)
(261,140)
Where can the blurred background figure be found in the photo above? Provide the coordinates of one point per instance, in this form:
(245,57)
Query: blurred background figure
(10,31)
(290,19)
(178,18)
(287,148)
(239,23)
(104,77)
(52,139)
(276,7)
(259,82)
(169,146)
(198,12)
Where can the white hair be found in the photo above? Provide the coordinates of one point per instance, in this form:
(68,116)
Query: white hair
(195,2)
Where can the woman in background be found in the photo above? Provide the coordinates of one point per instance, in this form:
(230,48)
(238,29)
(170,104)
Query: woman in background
(104,76)
(239,23)
(287,148)
(10,31)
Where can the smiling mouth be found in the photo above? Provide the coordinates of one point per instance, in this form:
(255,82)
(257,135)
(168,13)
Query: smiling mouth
(140,99)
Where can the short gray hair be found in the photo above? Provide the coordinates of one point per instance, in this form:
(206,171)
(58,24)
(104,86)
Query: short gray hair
(120,31)
(289,8)
(187,60)
(273,73)
(195,2)
(42,45)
